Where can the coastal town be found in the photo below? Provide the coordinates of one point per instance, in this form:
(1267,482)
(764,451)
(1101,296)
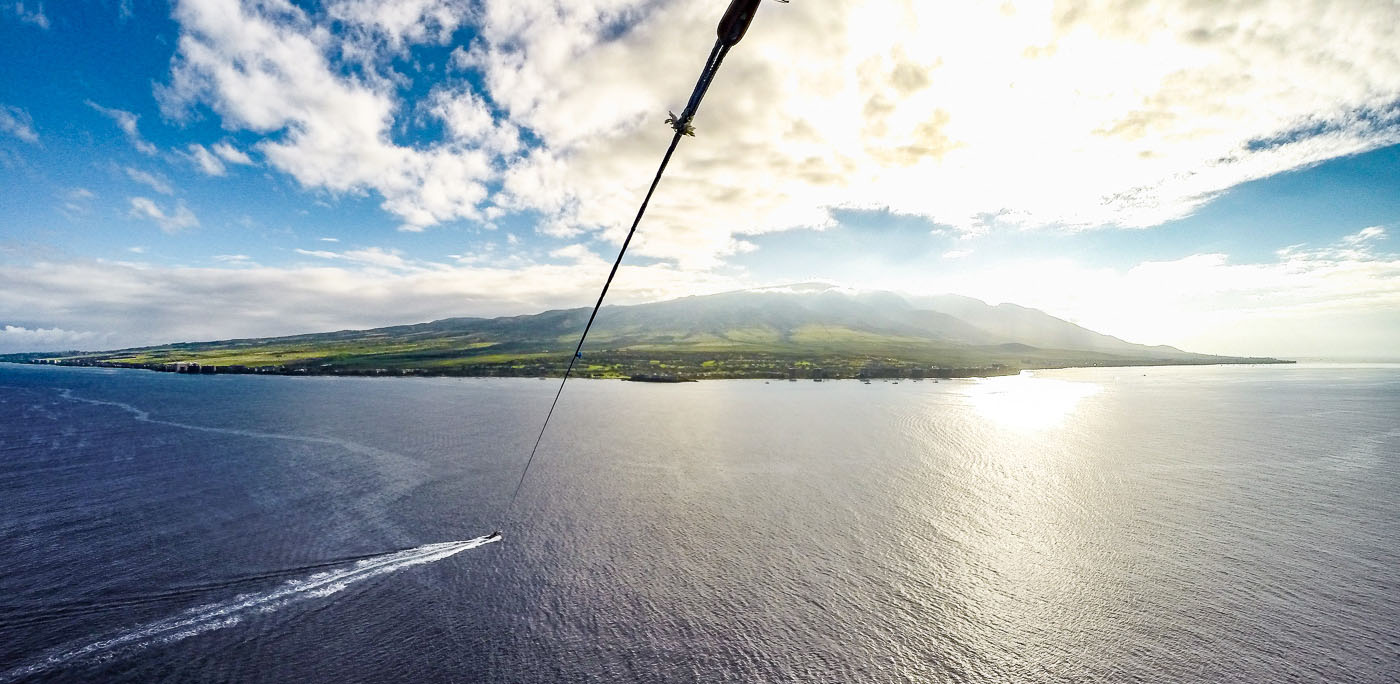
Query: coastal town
(677,370)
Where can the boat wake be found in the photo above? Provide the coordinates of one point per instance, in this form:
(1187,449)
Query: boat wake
(14,617)
(213,616)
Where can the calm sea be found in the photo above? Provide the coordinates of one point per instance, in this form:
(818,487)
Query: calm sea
(1117,525)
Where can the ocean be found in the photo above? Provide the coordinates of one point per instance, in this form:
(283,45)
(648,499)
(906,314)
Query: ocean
(1236,523)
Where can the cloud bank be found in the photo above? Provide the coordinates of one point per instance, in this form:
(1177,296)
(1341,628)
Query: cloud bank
(1339,299)
(1333,300)
(14,338)
(141,303)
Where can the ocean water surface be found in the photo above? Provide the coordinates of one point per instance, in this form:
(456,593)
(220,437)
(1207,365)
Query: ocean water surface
(1115,525)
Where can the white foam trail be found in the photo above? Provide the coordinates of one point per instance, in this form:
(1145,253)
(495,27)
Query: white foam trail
(214,616)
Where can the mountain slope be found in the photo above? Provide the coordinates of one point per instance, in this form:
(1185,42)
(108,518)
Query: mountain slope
(1033,327)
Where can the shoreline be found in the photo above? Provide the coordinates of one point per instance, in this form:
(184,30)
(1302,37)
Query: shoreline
(814,375)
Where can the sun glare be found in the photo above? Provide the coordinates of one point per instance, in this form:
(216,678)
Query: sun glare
(1026,402)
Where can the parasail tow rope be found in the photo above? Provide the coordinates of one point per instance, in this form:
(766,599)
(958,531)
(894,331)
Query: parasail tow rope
(731,29)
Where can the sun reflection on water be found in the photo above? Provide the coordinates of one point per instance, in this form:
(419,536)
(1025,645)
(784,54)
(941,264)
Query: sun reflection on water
(1027,402)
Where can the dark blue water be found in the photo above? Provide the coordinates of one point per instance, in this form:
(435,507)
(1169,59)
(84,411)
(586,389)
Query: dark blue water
(1182,524)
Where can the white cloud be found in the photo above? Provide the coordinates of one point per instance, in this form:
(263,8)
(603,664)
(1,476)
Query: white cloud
(232,154)
(1062,114)
(329,239)
(319,253)
(460,59)
(398,24)
(16,122)
(1364,235)
(175,221)
(267,67)
(577,254)
(469,120)
(205,160)
(373,256)
(15,338)
(154,181)
(127,122)
(31,13)
(1033,114)
(956,253)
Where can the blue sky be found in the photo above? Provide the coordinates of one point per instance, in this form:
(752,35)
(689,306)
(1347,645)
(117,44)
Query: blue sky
(1164,174)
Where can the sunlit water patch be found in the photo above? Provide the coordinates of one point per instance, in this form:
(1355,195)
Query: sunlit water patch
(1027,401)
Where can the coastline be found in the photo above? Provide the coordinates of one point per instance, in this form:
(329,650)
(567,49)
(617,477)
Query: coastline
(795,372)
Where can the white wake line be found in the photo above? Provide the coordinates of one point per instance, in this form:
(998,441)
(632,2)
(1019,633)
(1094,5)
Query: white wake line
(144,416)
(214,616)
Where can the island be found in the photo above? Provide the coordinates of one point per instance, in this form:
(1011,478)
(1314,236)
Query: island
(803,332)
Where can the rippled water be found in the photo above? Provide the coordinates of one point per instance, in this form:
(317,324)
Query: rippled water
(1161,524)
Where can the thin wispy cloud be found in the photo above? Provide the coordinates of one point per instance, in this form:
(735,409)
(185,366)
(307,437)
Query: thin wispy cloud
(127,122)
(16,122)
(31,13)
(76,203)
(373,256)
(178,218)
(154,181)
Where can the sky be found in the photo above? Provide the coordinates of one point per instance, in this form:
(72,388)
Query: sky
(1222,176)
